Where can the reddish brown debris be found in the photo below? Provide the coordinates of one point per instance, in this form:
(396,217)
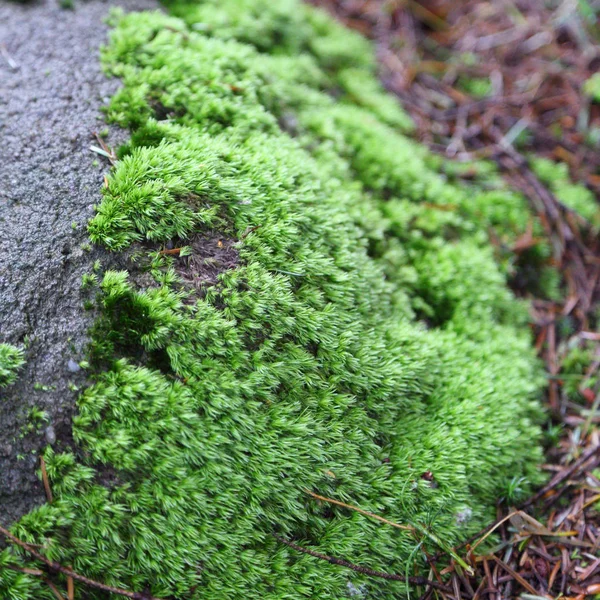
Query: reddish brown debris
(533,58)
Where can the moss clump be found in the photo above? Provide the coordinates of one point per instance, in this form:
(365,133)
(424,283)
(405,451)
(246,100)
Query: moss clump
(591,88)
(365,346)
(575,366)
(11,360)
(575,196)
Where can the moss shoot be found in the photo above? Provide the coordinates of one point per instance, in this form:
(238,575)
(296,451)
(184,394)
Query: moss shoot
(362,345)
(11,360)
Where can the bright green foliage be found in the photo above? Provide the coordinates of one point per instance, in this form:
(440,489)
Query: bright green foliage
(365,339)
(591,87)
(11,360)
(575,366)
(478,87)
(576,196)
(285,27)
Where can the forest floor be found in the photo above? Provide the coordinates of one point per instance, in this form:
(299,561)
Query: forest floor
(518,83)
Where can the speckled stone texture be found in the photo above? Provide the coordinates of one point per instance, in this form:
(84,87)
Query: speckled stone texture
(51,92)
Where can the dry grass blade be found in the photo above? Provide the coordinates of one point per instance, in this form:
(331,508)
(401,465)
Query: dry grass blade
(516,575)
(366,513)
(70,586)
(54,590)
(412,528)
(45,480)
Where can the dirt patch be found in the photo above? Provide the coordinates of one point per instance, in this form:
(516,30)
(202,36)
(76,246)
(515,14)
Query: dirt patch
(211,255)
(51,93)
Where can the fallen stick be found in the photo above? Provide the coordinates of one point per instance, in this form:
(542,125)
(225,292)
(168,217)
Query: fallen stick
(57,567)
(365,570)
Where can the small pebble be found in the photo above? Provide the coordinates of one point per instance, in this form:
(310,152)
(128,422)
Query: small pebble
(6,450)
(50,434)
(73,366)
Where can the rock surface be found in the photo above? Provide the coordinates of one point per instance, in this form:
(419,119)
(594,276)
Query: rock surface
(51,93)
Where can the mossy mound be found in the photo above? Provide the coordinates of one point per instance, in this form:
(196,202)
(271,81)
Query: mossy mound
(361,342)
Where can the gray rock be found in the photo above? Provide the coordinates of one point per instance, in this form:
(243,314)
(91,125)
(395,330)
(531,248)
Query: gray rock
(51,93)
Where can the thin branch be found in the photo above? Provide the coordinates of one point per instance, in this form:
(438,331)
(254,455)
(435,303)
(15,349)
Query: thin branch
(364,570)
(57,567)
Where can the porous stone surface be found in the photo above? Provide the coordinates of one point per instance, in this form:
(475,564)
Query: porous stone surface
(51,92)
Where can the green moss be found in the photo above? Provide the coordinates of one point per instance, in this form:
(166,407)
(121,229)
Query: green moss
(366,336)
(591,88)
(285,27)
(478,87)
(575,365)
(11,360)
(576,196)
(364,90)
